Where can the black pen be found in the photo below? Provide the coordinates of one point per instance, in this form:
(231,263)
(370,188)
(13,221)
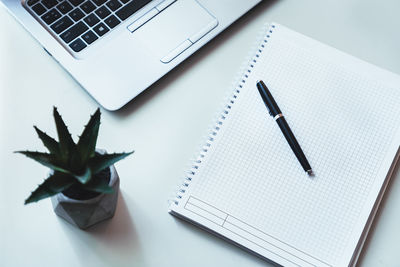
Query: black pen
(276,113)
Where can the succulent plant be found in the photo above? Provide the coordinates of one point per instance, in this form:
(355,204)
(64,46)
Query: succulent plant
(73,165)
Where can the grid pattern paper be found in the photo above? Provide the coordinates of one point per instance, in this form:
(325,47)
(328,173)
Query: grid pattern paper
(251,173)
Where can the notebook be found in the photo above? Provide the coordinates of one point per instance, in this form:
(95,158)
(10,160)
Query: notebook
(246,184)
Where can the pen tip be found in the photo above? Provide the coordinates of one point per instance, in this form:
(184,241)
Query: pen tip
(310,172)
(258,81)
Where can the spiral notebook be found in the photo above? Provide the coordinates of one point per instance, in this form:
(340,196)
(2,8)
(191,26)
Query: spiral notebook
(247,185)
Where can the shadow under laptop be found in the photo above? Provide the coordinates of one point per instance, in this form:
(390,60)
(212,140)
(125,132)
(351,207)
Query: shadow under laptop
(111,242)
(164,83)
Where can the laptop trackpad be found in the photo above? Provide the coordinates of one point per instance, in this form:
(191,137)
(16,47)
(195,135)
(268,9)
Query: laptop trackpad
(174,29)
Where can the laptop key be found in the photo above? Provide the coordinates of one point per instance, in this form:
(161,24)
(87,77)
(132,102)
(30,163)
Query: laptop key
(112,21)
(51,16)
(131,8)
(79,23)
(89,37)
(64,7)
(39,9)
(32,2)
(76,2)
(77,45)
(113,4)
(76,14)
(73,32)
(49,3)
(88,7)
(61,24)
(99,2)
(102,12)
(101,29)
(91,20)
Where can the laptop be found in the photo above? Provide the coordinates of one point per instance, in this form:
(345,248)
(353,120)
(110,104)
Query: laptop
(115,49)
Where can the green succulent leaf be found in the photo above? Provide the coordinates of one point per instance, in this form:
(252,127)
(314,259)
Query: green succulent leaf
(72,164)
(55,184)
(101,161)
(48,142)
(85,177)
(67,145)
(75,163)
(87,142)
(99,184)
(48,160)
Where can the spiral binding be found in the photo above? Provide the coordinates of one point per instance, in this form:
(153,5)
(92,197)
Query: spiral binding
(222,116)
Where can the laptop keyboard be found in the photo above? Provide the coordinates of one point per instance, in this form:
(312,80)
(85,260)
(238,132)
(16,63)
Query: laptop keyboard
(80,23)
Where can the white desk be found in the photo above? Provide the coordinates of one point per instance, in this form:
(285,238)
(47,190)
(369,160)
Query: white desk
(164,125)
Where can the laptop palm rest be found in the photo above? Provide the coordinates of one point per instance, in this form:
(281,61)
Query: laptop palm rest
(175,29)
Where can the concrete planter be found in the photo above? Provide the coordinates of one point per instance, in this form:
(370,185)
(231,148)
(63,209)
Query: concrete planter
(85,213)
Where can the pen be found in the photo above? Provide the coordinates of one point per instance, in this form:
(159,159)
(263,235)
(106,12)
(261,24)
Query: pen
(276,113)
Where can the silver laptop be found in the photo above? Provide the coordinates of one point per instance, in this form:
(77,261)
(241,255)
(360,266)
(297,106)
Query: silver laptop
(115,49)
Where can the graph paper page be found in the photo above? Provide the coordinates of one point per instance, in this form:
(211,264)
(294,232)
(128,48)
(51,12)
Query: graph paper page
(249,186)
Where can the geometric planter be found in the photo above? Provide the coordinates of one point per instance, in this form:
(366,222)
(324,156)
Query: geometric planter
(85,213)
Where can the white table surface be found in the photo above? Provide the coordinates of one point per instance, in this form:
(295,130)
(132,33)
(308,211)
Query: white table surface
(164,125)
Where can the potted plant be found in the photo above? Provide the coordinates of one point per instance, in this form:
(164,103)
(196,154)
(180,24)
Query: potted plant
(83,183)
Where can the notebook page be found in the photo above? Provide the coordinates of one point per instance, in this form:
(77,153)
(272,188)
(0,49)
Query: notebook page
(250,187)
